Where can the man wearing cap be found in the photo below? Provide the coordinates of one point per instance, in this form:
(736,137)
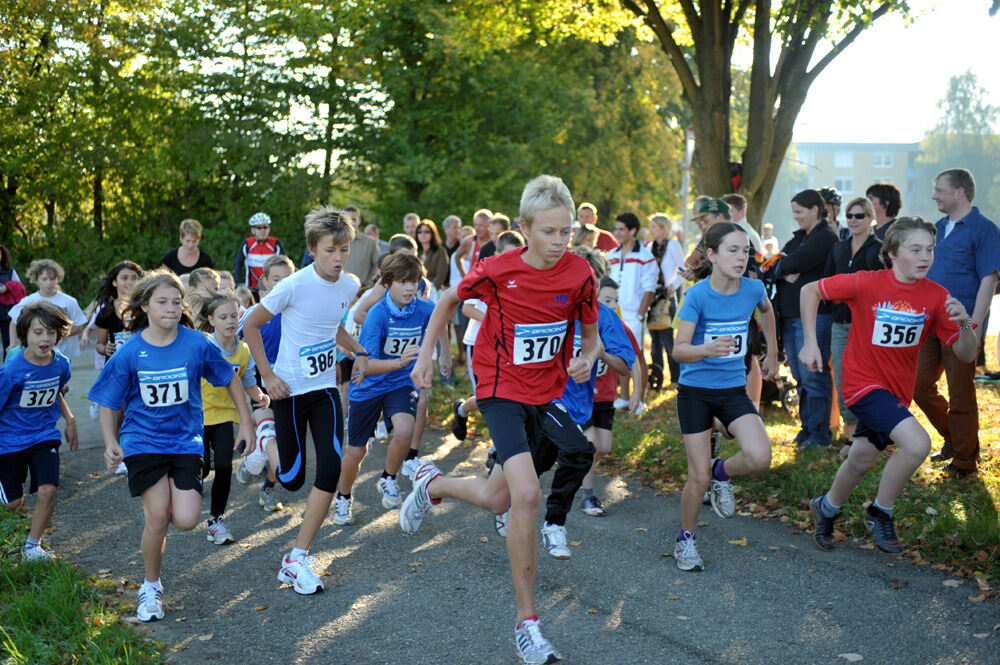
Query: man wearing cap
(255,250)
(708,212)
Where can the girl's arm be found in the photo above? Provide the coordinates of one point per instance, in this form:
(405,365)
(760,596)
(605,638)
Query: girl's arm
(423,371)
(105,345)
(590,346)
(810,355)
(686,352)
(473,312)
(769,369)
(245,432)
(276,387)
(72,437)
(373,296)
(113,453)
(257,396)
(444,359)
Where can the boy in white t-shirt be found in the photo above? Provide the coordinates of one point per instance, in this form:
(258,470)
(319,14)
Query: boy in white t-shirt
(302,383)
(46,275)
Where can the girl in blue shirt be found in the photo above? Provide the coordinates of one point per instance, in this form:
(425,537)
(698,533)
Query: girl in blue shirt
(710,347)
(155,378)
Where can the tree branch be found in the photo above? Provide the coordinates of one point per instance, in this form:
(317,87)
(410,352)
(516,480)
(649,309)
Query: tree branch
(858,28)
(651,16)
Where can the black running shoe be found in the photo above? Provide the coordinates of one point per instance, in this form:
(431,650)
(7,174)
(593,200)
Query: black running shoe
(459,426)
(883,530)
(823,533)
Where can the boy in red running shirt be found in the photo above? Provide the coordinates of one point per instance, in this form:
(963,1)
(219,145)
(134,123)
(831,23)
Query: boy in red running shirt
(892,311)
(533,295)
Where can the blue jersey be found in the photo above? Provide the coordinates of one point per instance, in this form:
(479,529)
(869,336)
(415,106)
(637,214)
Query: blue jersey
(160,390)
(29,400)
(578,398)
(385,337)
(270,334)
(717,315)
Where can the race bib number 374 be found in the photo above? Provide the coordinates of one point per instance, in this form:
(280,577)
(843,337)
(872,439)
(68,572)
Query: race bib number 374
(538,342)
(165,388)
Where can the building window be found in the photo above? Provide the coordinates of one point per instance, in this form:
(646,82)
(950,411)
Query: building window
(843,159)
(845,185)
(882,160)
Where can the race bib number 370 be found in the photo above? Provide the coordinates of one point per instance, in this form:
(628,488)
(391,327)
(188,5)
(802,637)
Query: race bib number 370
(538,342)
(165,388)
(897,330)
(39,394)
(318,359)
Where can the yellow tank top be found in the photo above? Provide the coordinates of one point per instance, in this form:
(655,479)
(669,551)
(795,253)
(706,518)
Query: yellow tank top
(215,401)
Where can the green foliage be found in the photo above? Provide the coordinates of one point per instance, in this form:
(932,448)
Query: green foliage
(51,613)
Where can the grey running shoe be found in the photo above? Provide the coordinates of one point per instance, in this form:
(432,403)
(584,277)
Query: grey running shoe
(723,501)
(218,533)
(554,539)
(416,505)
(500,523)
(532,646)
(267,500)
(823,532)
(388,489)
(883,530)
(686,555)
(591,505)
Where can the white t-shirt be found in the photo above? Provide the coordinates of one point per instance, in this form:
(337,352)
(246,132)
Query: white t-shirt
(70,346)
(456,276)
(473,328)
(311,309)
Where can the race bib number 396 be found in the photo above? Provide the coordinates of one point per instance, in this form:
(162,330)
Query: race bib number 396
(735,329)
(897,330)
(318,359)
(165,388)
(538,342)
(39,394)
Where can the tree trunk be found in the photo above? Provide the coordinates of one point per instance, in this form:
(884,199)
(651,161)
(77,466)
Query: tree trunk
(50,213)
(99,201)
(8,208)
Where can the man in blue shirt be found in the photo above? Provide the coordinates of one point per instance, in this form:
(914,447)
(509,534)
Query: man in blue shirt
(966,261)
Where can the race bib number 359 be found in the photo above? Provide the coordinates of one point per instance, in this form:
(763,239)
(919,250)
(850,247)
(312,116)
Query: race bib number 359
(39,394)
(538,342)
(735,329)
(897,330)
(165,388)
(318,359)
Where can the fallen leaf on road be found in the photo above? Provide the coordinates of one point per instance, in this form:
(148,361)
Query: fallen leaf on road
(866,546)
(414,564)
(763,558)
(851,657)
(811,570)
(484,539)
(682,618)
(939,566)
(742,542)
(838,536)
(673,597)
(575,543)
(978,598)
(980,636)
(246,545)
(641,528)
(679,582)
(95,475)
(773,548)
(666,555)
(898,585)
(702,523)
(178,620)
(953,583)
(205,638)
(592,610)
(260,608)
(178,647)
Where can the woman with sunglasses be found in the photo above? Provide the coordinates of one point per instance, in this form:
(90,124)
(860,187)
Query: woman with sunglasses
(432,254)
(859,251)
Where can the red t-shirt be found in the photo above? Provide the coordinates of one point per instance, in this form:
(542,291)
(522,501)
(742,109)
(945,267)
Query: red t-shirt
(606,241)
(525,342)
(889,322)
(606,386)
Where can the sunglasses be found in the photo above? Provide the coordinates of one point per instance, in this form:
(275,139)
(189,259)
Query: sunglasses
(856,215)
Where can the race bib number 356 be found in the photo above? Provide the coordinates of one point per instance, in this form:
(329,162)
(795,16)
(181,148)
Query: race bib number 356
(318,359)
(897,330)
(735,329)
(39,394)
(165,388)
(538,342)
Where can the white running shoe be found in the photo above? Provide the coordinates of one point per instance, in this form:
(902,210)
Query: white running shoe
(388,488)
(381,433)
(35,553)
(416,505)
(255,462)
(121,468)
(95,411)
(620,404)
(554,539)
(267,500)
(500,523)
(686,555)
(299,573)
(410,467)
(723,501)
(243,475)
(150,606)
(342,511)
(532,646)
(218,533)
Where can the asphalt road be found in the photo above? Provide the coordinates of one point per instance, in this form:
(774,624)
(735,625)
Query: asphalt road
(443,595)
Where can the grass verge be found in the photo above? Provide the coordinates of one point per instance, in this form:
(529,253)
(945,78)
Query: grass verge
(51,612)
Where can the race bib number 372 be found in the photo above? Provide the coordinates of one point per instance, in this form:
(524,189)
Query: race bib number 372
(897,330)
(318,359)
(165,388)
(538,342)
(39,394)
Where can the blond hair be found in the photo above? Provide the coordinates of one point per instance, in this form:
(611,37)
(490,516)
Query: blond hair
(191,227)
(40,266)
(327,221)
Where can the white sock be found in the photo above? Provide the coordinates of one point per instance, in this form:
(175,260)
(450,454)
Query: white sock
(156,585)
(461,411)
(297,554)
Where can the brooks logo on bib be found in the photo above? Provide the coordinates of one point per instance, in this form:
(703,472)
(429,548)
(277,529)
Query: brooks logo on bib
(735,329)
(318,358)
(166,388)
(399,338)
(39,394)
(897,330)
(538,342)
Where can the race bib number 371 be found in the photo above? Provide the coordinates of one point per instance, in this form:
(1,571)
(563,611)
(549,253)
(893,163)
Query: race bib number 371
(897,330)
(165,388)
(538,342)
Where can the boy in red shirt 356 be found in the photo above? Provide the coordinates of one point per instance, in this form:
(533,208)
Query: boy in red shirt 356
(525,353)
(892,311)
